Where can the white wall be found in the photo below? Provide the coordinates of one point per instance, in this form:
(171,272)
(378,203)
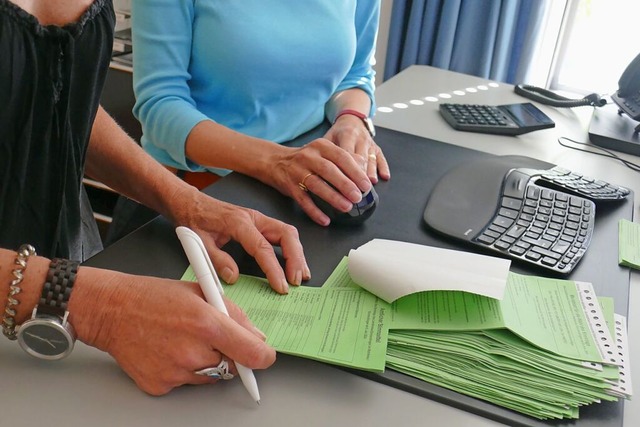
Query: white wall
(383,36)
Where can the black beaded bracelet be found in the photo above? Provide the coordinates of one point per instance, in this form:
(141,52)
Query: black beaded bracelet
(57,289)
(8,319)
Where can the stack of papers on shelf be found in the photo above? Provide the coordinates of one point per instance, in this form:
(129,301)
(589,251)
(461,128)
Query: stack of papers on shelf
(542,347)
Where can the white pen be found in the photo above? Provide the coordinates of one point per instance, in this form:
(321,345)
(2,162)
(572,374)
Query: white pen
(212,290)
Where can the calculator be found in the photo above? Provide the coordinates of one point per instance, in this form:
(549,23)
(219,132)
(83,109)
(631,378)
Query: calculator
(511,119)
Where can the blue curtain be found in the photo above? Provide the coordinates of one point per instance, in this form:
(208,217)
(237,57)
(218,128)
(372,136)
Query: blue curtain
(486,38)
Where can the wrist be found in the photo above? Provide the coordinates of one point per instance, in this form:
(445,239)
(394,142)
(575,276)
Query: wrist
(363,118)
(181,203)
(95,306)
(30,287)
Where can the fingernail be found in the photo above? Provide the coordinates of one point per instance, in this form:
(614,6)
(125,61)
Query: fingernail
(260,333)
(227,274)
(365,184)
(355,196)
(297,279)
(284,286)
(307,273)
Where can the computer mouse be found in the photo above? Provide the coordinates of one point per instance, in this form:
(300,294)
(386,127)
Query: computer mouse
(360,212)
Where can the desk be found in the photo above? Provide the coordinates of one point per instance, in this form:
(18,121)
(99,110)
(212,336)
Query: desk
(295,391)
(417,83)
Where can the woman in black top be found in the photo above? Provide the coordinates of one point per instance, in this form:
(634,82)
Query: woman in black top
(54,57)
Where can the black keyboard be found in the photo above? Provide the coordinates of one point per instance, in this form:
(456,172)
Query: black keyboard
(573,182)
(522,208)
(540,225)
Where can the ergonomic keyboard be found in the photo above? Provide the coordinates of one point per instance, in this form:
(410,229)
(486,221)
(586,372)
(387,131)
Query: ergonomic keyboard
(521,208)
(576,183)
(542,226)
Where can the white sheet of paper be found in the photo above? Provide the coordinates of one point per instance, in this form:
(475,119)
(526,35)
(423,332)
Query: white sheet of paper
(392,269)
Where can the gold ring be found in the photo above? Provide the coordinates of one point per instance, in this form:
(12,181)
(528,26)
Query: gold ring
(301,183)
(372,157)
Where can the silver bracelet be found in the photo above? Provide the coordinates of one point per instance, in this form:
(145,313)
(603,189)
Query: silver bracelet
(8,319)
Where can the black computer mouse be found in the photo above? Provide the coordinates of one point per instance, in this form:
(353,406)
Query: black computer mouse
(357,215)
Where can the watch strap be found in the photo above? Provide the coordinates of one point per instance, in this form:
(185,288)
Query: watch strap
(365,119)
(57,289)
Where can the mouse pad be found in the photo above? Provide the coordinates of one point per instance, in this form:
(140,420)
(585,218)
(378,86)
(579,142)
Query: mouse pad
(416,165)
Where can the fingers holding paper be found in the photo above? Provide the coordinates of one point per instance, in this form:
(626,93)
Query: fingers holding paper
(218,222)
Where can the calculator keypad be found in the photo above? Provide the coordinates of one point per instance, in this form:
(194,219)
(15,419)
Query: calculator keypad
(512,119)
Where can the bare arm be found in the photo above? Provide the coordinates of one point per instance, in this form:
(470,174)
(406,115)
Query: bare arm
(116,160)
(133,319)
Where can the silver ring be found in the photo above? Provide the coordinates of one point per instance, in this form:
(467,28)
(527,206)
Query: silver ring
(220,372)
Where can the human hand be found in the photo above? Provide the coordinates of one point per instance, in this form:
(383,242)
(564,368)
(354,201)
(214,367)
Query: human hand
(218,222)
(297,171)
(160,331)
(349,133)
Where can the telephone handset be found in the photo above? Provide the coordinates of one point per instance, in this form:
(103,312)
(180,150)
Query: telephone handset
(628,95)
(547,97)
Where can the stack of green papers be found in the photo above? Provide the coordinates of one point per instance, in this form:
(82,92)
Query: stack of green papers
(629,244)
(342,326)
(546,349)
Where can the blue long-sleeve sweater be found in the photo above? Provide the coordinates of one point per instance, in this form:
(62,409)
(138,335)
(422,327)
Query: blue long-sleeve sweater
(262,68)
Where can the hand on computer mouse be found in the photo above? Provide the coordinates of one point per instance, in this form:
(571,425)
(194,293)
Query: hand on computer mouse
(358,213)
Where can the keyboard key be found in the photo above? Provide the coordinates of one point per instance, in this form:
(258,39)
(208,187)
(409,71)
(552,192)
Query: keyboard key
(502,221)
(546,228)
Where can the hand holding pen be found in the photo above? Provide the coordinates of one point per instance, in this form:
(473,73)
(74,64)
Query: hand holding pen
(212,290)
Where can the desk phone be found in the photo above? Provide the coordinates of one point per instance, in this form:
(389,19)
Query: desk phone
(521,208)
(511,119)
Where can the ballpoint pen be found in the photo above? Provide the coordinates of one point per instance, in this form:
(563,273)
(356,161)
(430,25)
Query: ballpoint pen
(212,290)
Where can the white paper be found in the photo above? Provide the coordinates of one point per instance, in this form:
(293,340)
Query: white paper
(392,269)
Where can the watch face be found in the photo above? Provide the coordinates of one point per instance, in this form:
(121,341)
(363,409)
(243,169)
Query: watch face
(46,338)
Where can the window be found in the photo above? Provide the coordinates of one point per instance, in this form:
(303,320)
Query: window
(596,40)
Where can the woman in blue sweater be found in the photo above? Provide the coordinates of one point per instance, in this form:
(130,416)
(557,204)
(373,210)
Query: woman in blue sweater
(219,83)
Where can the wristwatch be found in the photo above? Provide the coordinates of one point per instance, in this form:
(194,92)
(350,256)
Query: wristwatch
(48,334)
(365,119)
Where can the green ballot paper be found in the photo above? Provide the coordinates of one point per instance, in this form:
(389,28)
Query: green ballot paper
(553,314)
(629,244)
(547,348)
(342,326)
(537,351)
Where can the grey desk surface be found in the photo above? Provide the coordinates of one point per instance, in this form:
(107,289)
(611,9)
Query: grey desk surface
(409,103)
(89,389)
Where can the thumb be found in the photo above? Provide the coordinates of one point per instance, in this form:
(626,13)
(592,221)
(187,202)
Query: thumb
(224,264)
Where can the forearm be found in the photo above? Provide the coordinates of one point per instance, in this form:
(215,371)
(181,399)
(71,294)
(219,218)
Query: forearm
(213,145)
(351,99)
(81,305)
(117,161)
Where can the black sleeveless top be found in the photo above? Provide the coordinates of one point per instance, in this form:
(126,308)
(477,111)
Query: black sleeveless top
(51,80)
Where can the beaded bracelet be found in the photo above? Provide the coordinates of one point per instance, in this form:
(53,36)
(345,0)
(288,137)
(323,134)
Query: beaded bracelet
(8,319)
